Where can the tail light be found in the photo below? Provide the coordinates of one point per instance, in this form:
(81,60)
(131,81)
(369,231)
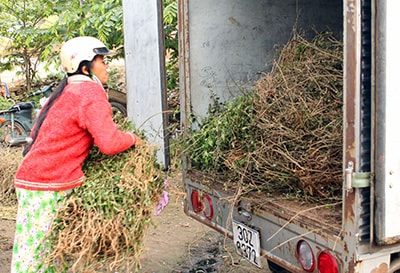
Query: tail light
(196,201)
(202,204)
(305,256)
(208,207)
(327,263)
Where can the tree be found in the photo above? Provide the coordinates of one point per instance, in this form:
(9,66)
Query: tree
(101,19)
(36,28)
(24,23)
(105,21)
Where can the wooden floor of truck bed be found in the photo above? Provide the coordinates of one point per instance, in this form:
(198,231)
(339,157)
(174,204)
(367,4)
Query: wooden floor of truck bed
(325,217)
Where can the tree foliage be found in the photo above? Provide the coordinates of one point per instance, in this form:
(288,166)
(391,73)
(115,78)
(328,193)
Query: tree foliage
(170,14)
(103,20)
(35,29)
(25,27)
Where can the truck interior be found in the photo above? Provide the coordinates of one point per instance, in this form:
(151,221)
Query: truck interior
(240,40)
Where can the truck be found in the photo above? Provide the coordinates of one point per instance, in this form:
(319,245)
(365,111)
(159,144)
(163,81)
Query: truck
(225,42)
(230,41)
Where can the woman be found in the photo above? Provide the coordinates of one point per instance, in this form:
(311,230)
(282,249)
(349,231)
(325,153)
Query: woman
(76,117)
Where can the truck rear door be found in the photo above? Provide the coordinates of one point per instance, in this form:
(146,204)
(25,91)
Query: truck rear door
(387,172)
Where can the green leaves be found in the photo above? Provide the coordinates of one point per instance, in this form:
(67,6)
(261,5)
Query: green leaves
(228,128)
(5,103)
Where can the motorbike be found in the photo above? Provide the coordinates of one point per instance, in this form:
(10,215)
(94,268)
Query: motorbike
(16,122)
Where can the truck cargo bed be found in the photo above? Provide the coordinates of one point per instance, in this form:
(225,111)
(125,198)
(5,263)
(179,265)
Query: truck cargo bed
(325,218)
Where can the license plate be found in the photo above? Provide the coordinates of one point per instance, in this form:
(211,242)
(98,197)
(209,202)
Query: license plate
(247,242)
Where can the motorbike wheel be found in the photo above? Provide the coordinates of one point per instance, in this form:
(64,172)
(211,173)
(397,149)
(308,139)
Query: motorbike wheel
(118,107)
(5,132)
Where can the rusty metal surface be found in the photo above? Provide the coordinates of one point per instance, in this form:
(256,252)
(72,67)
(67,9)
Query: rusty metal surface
(184,57)
(351,70)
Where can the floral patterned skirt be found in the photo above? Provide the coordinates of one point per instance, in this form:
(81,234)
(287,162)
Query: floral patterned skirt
(36,210)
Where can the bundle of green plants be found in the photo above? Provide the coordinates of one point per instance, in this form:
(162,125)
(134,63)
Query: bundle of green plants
(226,133)
(285,136)
(102,224)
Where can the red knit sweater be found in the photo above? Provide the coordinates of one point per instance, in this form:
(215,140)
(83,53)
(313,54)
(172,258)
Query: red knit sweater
(80,117)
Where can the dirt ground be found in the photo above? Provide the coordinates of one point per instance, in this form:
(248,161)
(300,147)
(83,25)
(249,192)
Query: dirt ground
(174,244)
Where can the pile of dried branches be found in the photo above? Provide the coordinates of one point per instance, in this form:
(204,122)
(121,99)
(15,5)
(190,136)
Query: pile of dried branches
(286,135)
(10,159)
(104,221)
(299,114)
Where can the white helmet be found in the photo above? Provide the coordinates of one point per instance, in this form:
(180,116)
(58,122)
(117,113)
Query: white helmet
(79,49)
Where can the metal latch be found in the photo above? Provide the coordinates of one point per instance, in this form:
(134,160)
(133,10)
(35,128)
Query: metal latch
(356,179)
(349,177)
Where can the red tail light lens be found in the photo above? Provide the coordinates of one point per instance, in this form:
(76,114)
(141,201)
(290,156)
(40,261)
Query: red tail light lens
(202,204)
(305,256)
(197,203)
(208,207)
(327,263)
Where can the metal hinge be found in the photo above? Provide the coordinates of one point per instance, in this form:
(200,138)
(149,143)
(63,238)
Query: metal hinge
(356,179)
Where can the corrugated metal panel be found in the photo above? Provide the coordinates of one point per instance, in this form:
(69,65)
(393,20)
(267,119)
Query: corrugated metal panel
(365,119)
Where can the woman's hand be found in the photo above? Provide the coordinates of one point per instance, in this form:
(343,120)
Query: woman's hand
(137,141)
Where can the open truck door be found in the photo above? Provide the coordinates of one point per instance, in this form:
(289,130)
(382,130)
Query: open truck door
(145,71)
(387,100)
